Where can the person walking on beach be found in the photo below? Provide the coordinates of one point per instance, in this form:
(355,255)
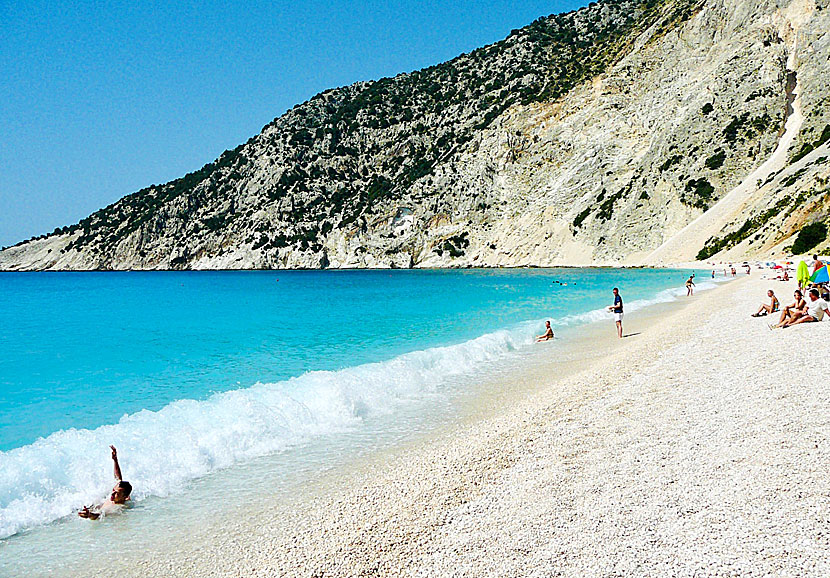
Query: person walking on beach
(617,310)
(689,285)
(547,335)
(118,497)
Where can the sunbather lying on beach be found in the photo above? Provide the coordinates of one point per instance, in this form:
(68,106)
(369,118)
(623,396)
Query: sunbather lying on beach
(547,335)
(767,309)
(816,309)
(119,496)
(784,277)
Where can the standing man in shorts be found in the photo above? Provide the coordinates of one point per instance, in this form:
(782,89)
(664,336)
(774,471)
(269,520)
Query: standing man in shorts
(617,310)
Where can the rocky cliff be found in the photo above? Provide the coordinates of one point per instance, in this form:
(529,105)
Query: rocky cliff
(598,136)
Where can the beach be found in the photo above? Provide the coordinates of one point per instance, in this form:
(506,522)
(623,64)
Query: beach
(696,447)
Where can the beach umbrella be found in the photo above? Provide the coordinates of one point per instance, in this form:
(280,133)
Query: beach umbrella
(821,276)
(802,274)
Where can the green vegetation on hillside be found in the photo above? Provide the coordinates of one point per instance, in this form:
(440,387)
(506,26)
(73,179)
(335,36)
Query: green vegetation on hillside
(338,155)
(698,193)
(809,237)
(717,244)
(807,148)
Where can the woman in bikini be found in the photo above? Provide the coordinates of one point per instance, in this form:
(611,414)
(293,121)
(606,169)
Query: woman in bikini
(795,310)
(767,309)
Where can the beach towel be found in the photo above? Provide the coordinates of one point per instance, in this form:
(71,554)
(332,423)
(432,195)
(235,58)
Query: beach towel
(802,274)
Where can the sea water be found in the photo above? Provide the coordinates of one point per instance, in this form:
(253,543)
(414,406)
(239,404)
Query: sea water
(191,373)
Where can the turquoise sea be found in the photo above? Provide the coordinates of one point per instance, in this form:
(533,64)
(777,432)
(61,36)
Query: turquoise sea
(192,373)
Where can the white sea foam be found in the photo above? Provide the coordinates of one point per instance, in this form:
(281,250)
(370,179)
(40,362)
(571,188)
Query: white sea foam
(665,296)
(186,439)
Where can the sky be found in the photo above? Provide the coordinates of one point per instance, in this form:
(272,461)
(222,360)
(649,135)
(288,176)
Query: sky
(101,99)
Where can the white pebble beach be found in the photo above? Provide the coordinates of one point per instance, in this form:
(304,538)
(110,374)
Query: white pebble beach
(699,446)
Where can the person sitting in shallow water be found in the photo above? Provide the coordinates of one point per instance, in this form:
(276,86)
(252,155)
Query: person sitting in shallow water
(547,335)
(118,497)
(767,309)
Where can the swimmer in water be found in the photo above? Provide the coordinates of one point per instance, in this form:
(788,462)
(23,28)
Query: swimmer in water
(118,497)
(547,335)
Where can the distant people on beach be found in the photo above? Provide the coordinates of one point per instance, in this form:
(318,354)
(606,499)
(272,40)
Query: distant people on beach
(816,308)
(548,334)
(617,310)
(783,277)
(748,270)
(118,497)
(798,306)
(690,283)
(713,273)
(767,309)
(733,271)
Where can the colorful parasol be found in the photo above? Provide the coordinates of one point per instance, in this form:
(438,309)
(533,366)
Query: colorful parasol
(820,276)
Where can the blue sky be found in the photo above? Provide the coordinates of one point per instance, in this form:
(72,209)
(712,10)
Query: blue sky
(98,100)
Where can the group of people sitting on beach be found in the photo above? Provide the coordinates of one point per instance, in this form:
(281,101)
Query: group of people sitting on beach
(801,310)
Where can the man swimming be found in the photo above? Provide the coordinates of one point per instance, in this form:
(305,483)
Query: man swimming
(617,310)
(118,497)
(547,335)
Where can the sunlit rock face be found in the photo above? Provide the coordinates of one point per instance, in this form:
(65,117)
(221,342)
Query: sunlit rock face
(592,137)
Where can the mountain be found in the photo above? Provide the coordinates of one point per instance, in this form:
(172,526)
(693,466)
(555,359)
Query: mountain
(624,132)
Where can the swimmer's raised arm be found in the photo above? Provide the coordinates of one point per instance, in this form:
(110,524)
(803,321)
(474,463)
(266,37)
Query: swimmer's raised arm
(117,468)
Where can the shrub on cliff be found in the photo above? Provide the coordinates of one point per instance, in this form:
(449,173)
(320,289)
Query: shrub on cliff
(809,237)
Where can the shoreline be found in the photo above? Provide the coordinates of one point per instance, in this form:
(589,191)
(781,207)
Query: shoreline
(513,490)
(405,509)
(515,494)
(500,345)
